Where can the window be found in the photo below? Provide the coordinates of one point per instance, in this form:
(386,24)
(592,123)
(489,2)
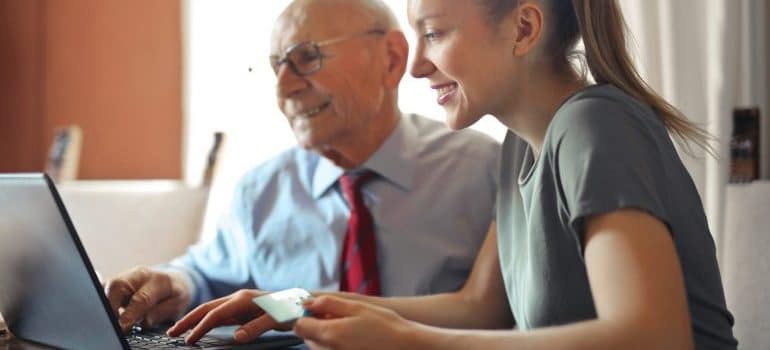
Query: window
(222,39)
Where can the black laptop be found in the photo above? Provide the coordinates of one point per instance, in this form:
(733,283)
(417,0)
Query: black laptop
(49,292)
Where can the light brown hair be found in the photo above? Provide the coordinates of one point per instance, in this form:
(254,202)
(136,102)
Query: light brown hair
(601,25)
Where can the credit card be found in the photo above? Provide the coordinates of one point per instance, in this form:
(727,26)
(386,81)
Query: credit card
(284,306)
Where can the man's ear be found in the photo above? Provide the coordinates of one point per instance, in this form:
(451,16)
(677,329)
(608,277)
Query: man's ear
(396,56)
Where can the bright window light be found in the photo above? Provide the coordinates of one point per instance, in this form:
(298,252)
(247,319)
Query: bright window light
(222,40)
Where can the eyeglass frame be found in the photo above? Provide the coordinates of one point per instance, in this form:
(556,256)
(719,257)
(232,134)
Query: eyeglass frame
(277,61)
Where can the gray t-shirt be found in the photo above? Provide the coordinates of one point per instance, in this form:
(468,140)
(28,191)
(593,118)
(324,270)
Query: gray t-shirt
(603,151)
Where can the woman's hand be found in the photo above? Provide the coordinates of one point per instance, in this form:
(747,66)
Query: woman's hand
(346,324)
(234,309)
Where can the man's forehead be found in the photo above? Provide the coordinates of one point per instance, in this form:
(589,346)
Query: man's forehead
(313,23)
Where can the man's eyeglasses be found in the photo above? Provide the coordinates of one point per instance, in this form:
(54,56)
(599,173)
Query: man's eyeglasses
(305,58)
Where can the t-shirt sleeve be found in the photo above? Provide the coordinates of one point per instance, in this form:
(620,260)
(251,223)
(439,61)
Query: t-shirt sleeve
(607,159)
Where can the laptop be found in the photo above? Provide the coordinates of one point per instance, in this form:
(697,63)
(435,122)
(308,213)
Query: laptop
(49,292)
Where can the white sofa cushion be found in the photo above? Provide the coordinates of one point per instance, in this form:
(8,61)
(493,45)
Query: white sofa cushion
(123,224)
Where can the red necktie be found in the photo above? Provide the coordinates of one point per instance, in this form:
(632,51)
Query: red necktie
(359,271)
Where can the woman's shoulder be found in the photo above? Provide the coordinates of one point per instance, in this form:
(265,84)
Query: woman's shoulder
(599,111)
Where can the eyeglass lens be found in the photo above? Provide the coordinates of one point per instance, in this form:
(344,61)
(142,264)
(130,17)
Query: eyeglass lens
(302,59)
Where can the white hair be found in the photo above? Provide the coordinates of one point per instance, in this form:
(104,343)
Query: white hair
(380,14)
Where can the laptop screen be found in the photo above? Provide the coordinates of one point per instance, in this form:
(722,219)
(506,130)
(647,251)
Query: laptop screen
(49,292)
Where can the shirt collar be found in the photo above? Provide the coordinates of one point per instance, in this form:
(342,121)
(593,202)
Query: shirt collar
(326,174)
(394,161)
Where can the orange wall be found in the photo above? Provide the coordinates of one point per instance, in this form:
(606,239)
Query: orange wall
(113,67)
(21,118)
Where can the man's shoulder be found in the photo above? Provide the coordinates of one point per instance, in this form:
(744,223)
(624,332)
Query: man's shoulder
(435,136)
(289,163)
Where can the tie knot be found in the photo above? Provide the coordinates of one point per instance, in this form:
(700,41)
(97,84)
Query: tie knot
(351,182)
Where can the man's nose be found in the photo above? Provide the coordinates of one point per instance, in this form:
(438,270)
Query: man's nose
(289,83)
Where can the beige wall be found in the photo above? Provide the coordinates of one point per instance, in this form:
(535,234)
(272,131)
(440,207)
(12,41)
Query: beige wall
(765,115)
(113,67)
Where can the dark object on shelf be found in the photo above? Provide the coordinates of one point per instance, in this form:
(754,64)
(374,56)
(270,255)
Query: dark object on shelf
(64,155)
(5,335)
(744,145)
(212,160)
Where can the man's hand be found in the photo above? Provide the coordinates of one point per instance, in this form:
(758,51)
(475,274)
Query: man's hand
(147,295)
(234,309)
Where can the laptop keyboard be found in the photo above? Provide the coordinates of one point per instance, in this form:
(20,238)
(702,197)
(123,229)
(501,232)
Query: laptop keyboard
(148,339)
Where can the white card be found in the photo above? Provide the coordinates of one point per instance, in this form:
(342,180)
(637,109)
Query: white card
(284,306)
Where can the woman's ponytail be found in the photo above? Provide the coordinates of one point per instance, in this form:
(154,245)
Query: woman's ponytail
(603,30)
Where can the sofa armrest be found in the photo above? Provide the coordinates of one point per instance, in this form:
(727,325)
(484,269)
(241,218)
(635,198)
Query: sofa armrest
(123,224)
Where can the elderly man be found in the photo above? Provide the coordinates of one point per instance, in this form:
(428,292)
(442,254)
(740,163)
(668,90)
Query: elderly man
(372,201)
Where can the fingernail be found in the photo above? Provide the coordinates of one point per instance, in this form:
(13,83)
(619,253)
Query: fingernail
(240,335)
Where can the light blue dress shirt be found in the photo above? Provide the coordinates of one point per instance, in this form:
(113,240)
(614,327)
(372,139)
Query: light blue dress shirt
(432,205)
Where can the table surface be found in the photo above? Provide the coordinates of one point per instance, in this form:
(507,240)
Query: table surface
(16,344)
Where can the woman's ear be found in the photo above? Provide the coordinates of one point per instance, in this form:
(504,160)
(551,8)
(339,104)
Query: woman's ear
(527,23)
(396,56)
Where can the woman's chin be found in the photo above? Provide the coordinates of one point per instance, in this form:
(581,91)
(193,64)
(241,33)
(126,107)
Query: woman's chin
(458,121)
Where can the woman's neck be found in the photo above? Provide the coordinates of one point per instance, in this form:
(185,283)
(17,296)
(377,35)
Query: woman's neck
(535,105)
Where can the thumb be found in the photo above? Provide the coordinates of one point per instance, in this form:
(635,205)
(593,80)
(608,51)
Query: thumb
(332,307)
(167,310)
(325,333)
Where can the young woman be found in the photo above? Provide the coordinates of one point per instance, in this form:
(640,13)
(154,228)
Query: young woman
(601,240)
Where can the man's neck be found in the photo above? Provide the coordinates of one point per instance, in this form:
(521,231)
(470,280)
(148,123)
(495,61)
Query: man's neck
(357,150)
